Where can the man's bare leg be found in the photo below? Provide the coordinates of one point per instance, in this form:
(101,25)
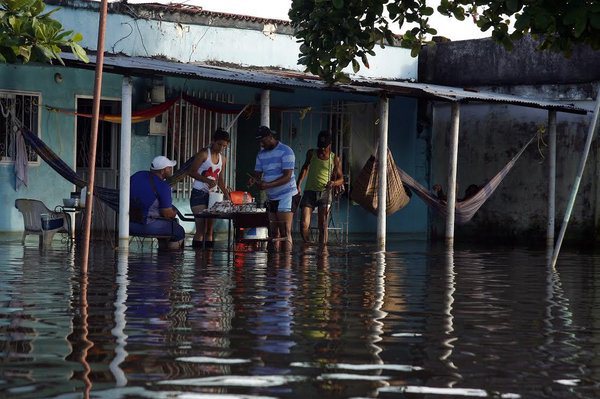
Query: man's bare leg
(305,223)
(200,223)
(323,218)
(285,220)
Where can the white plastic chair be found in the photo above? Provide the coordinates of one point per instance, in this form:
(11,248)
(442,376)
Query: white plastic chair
(32,211)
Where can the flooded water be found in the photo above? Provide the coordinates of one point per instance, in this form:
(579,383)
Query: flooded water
(414,322)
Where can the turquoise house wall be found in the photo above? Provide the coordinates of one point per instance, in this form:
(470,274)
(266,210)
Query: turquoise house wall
(58,131)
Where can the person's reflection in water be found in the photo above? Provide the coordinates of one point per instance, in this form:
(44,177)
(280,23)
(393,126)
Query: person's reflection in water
(275,317)
(148,315)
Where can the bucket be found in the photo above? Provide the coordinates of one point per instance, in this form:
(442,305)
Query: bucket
(240,197)
(213,198)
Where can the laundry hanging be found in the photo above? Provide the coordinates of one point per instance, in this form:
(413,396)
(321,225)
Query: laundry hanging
(464,210)
(365,187)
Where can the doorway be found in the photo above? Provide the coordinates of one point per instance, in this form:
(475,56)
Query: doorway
(104,219)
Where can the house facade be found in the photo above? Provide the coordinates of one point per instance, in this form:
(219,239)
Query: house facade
(173,51)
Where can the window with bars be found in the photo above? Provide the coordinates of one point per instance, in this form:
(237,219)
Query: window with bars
(190,129)
(18,110)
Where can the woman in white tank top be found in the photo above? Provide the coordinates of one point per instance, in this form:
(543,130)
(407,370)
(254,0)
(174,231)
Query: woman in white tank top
(207,172)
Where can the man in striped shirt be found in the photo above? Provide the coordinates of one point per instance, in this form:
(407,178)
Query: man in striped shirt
(274,173)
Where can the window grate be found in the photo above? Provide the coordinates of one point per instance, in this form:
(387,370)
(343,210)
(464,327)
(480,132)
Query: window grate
(18,110)
(190,128)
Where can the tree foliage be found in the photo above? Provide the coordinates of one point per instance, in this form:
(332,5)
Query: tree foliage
(28,34)
(338,33)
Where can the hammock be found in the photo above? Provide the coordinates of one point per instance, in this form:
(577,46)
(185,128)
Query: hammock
(108,195)
(464,210)
(155,110)
(365,187)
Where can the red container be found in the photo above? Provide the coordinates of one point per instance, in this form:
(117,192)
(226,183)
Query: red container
(240,197)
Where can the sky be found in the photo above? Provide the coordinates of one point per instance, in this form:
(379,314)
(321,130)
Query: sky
(448,27)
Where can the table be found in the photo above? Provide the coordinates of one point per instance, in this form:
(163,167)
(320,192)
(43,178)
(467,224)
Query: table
(71,212)
(238,219)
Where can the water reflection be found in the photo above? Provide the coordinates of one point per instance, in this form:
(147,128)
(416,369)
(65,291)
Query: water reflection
(118,330)
(321,322)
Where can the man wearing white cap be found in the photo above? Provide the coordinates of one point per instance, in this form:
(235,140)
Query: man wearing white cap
(151,205)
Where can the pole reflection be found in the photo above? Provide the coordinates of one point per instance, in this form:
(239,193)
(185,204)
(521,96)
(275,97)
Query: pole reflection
(448,321)
(118,331)
(85,342)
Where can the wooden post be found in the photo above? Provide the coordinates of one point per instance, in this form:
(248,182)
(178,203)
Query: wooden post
(452,168)
(89,199)
(382,172)
(125,163)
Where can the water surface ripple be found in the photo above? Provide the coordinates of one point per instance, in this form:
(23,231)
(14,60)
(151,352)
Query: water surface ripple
(345,322)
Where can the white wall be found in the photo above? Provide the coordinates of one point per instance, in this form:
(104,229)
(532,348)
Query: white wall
(196,43)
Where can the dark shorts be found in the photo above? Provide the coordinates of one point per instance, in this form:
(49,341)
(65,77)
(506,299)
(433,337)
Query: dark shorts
(198,197)
(313,199)
(289,204)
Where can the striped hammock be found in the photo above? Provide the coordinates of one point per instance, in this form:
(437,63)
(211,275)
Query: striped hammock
(464,210)
(110,196)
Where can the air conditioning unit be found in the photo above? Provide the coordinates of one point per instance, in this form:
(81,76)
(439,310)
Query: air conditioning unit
(158,125)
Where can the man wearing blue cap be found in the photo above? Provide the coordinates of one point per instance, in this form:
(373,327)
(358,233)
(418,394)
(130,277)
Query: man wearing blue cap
(274,173)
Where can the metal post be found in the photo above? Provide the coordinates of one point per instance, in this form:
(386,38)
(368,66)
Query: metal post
(452,167)
(384,106)
(89,200)
(551,177)
(588,143)
(265,107)
(125,163)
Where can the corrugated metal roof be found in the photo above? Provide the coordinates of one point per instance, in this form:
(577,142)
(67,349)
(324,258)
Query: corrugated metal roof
(142,66)
(288,81)
(466,95)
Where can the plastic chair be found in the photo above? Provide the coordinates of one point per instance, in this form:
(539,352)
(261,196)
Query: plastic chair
(32,211)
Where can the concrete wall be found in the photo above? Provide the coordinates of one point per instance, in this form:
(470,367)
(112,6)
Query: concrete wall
(199,40)
(491,134)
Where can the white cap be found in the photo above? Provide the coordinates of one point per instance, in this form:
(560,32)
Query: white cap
(160,162)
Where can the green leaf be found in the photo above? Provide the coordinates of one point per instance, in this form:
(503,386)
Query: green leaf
(355,66)
(427,11)
(338,4)
(77,37)
(365,60)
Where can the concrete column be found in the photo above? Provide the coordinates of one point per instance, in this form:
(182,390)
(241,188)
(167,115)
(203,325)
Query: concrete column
(452,168)
(551,177)
(125,163)
(586,150)
(265,108)
(382,172)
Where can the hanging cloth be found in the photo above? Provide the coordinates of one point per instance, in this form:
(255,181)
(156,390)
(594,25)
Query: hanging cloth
(108,195)
(365,186)
(464,210)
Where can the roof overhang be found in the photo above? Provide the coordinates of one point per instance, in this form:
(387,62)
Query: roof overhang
(289,81)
